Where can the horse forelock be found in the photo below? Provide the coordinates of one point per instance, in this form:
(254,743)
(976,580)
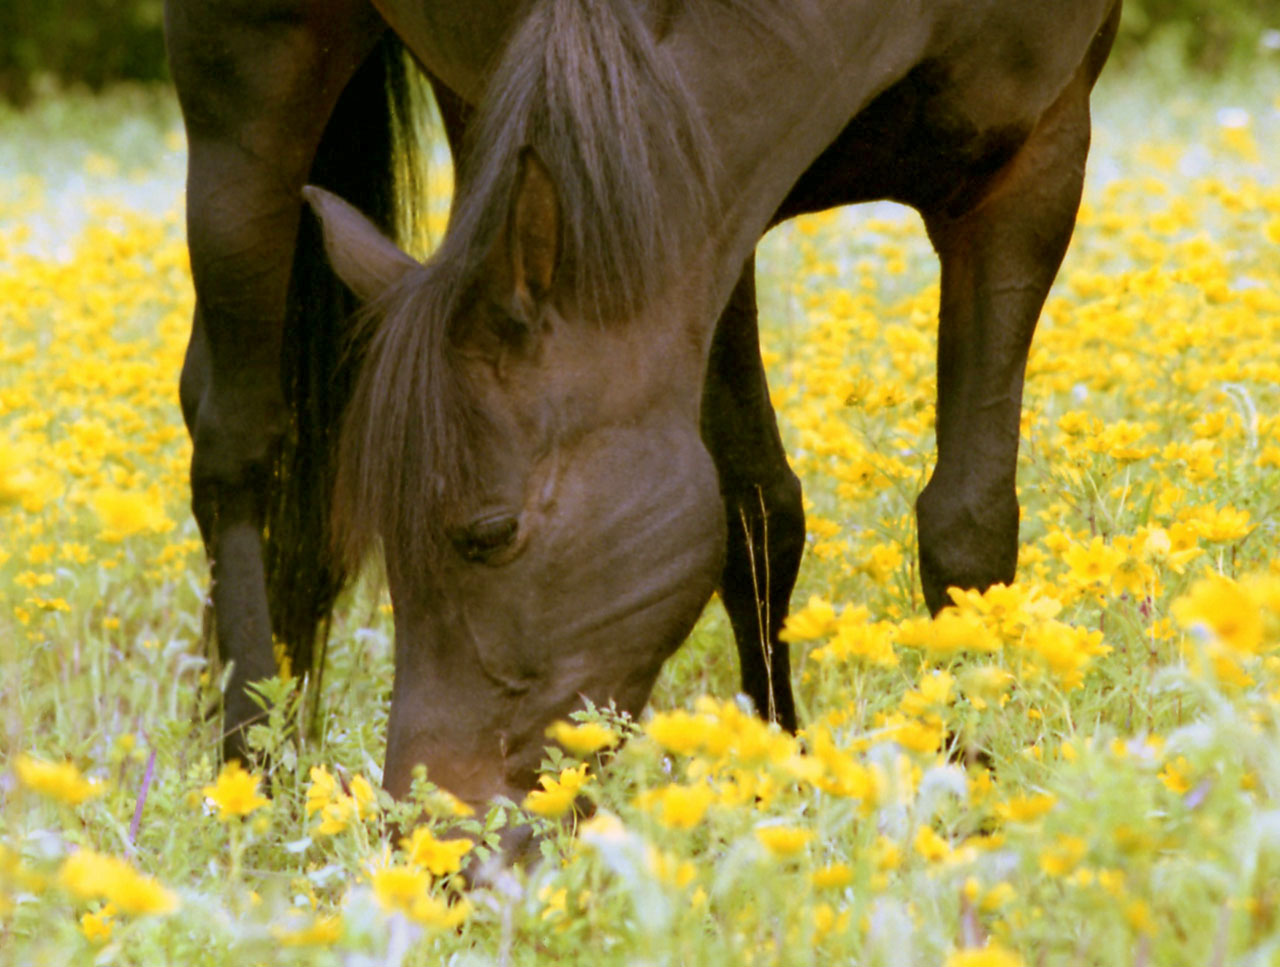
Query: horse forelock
(586,85)
(408,444)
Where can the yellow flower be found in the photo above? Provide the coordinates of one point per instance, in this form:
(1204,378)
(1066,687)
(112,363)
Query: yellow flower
(817,619)
(1025,809)
(998,896)
(984,683)
(364,796)
(556,797)
(439,856)
(584,739)
(322,791)
(61,780)
(1138,913)
(930,845)
(1226,610)
(91,875)
(235,792)
(992,955)
(97,927)
(684,733)
(678,807)
(669,869)
(1063,856)
(1066,651)
(322,931)
(17,482)
(1094,563)
(397,888)
(950,632)
(439,914)
(407,890)
(832,877)
(783,840)
(1221,524)
(1176,775)
(124,513)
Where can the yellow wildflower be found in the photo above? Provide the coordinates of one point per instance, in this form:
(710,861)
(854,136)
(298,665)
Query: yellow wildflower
(556,797)
(1176,775)
(832,877)
(322,791)
(124,513)
(984,683)
(57,780)
(783,840)
(1094,563)
(681,732)
(998,896)
(1063,856)
(398,888)
(439,856)
(992,955)
(1219,525)
(1025,809)
(91,875)
(97,926)
(439,914)
(930,845)
(1226,610)
(678,807)
(322,931)
(584,739)
(816,619)
(235,792)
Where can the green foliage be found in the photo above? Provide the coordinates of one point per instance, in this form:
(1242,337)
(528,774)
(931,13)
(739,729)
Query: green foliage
(1210,36)
(91,42)
(99,42)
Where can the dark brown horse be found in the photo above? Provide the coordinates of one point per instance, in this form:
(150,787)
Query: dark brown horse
(560,450)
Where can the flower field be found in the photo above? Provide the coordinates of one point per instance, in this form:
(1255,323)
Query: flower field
(1083,768)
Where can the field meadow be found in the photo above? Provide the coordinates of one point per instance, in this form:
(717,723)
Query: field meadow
(1080,769)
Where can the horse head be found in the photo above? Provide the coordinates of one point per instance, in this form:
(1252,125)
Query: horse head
(550,519)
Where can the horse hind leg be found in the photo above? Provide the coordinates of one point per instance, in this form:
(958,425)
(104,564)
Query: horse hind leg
(763,506)
(998,262)
(255,96)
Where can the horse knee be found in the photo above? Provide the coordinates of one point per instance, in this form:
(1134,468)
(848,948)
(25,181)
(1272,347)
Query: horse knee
(768,520)
(194,379)
(786,524)
(234,446)
(966,541)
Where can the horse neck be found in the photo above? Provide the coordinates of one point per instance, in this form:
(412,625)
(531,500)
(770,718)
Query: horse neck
(773,104)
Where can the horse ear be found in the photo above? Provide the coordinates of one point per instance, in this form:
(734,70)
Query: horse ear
(533,231)
(365,259)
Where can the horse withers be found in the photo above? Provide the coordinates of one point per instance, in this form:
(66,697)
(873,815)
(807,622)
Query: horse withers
(559,433)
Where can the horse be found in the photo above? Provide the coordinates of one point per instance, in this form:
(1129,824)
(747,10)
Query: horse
(557,428)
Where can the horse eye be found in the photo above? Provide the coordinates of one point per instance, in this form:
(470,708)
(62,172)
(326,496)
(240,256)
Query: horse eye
(485,536)
(510,328)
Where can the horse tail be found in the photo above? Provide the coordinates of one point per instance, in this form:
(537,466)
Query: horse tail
(368,155)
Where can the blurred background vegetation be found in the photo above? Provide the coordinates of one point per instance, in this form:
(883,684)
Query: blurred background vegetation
(48,45)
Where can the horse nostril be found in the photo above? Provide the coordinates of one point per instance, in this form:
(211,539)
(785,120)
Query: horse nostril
(485,536)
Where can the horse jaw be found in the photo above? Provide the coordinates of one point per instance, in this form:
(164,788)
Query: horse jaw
(611,579)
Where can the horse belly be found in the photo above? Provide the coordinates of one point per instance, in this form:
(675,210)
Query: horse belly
(934,139)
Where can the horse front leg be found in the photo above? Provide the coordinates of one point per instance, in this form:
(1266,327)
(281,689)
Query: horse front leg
(762,499)
(998,262)
(256,90)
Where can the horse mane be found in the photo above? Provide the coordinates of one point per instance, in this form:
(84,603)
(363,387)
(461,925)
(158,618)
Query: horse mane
(589,88)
